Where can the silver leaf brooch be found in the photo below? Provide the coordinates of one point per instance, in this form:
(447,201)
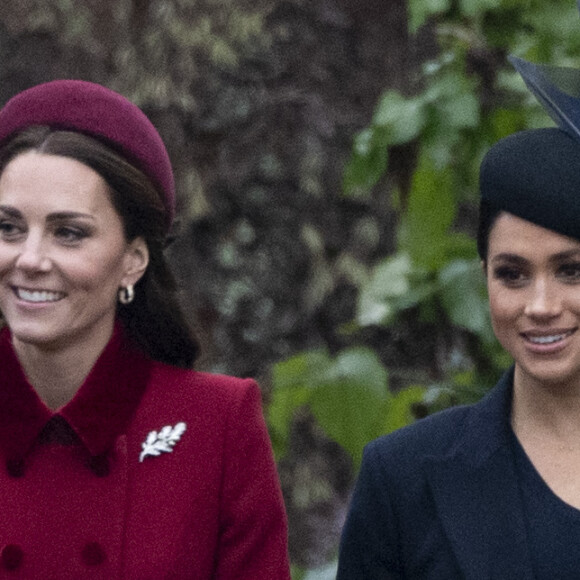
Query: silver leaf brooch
(162,441)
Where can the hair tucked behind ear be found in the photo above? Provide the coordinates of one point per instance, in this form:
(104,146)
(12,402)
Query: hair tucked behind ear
(488,215)
(154,319)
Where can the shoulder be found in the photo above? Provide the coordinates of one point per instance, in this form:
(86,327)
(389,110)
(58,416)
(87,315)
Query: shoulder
(393,474)
(403,454)
(463,430)
(213,394)
(199,382)
(433,434)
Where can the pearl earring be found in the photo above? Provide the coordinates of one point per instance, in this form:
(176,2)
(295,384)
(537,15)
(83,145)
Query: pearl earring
(126,294)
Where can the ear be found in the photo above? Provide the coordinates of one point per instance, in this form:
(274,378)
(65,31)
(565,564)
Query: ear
(136,261)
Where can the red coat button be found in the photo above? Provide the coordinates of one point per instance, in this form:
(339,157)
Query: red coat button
(12,556)
(93,554)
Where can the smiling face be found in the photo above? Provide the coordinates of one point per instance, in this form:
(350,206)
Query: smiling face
(63,253)
(533,279)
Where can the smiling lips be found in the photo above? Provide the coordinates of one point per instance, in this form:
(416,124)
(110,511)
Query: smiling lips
(547,338)
(38,295)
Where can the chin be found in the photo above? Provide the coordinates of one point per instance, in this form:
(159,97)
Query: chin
(550,375)
(34,336)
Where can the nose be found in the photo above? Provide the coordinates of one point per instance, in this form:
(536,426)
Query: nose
(544,300)
(32,256)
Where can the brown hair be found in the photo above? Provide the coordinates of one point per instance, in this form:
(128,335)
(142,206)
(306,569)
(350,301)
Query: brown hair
(488,214)
(154,319)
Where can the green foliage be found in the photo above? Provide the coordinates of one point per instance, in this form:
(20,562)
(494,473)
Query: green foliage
(421,10)
(327,572)
(463,297)
(423,232)
(367,164)
(434,271)
(348,394)
(467,98)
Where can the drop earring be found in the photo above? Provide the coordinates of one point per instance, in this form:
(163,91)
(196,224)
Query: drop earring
(126,294)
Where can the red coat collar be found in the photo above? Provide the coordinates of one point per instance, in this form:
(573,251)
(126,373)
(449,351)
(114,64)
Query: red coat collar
(98,413)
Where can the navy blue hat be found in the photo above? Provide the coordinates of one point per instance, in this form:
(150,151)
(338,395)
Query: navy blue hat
(535,175)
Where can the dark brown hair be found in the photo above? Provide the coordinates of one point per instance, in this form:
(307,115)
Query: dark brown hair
(488,214)
(154,319)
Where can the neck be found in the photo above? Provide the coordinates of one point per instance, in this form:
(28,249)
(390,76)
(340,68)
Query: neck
(57,373)
(545,410)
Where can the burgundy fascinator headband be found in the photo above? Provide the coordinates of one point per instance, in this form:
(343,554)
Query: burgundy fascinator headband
(97,111)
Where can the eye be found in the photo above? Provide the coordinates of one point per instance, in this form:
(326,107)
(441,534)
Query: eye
(510,275)
(70,235)
(9,230)
(570,272)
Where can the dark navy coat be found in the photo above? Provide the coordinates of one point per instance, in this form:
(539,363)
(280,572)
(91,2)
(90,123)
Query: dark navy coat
(440,500)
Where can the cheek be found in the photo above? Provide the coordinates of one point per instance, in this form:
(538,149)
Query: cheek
(7,255)
(504,307)
(573,298)
(97,276)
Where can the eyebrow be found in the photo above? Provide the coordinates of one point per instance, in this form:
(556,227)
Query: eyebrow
(56,216)
(12,212)
(519,260)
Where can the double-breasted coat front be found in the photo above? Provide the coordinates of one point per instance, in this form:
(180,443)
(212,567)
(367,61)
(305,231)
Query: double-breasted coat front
(99,489)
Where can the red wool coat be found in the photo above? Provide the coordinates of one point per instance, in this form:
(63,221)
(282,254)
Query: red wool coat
(87,493)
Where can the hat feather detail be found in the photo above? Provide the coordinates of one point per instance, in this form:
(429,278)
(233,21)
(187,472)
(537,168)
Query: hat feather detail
(557,89)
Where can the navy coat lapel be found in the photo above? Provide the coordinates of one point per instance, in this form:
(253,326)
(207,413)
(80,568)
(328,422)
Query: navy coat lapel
(489,543)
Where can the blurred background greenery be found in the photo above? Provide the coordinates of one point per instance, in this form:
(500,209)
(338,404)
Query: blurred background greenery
(326,155)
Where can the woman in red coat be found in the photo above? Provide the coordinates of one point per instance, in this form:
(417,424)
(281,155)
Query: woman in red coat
(116,460)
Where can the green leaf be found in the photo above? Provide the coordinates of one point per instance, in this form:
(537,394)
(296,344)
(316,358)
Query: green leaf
(476,8)
(396,120)
(344,393)
(366,166)
(421,10)
(461,246)
(399,410)
(389,279)
(421,292)
(431,210)
(504,122)
(280,411)
(357,363)
(300,369)
(461,111)
(348,401)
(464,297)
(401,118)
(297,573)
(292,388)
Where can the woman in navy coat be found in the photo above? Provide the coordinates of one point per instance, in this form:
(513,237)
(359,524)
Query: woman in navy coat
(492,491)
(116,459)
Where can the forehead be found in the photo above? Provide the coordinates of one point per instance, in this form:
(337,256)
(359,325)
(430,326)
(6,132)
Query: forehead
(41,181)
(513,235)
